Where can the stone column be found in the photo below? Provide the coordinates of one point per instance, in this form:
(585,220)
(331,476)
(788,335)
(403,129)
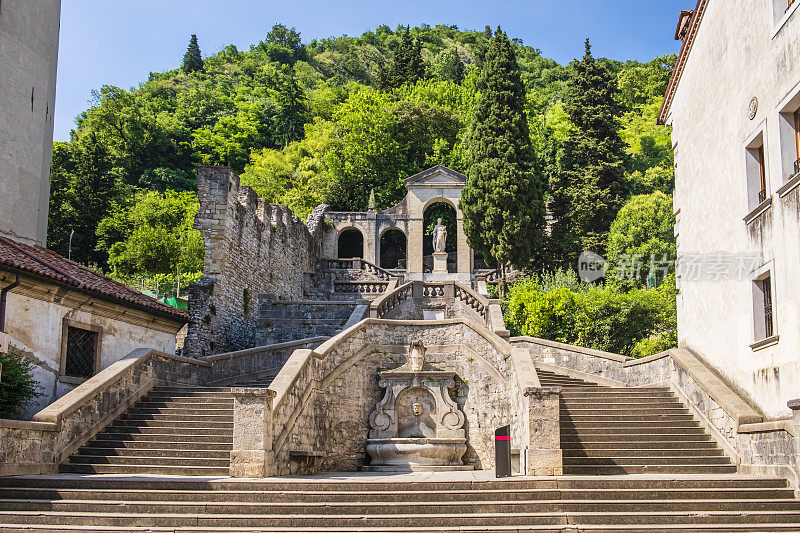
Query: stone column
(544,435)
(464,252)
(416,232)
(251,455)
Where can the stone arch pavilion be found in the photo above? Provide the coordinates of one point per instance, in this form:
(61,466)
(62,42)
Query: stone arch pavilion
(438,184)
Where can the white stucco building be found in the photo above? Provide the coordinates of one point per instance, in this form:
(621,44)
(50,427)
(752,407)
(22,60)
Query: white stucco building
(734,104)
(28,56)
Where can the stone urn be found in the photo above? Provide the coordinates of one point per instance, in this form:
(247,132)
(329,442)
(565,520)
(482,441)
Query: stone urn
(416,425)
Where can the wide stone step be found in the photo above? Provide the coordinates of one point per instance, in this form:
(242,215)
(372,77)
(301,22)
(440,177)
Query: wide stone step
(138,469)
(317,497)
(151,397)
(731,495)
(389,484)
(396,521)
(173,424)
(197,416)
(641,452)
(161,444)
(169,436)
(173,460)
(638,436)
(568,428)
(612,418)
(189,388)
(202,410)
(188,452)
(631,425)
(647,409)
(400,509)
(617,469)
(647,460)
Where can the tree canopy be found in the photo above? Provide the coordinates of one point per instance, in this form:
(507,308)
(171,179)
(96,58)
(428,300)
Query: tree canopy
(307,122)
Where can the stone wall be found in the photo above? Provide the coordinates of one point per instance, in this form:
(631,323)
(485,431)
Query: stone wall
(324,397)
(251,248)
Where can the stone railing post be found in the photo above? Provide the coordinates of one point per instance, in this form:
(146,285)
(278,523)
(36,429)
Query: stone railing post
(794,405)
(544,435)
(251,455)
(450,290)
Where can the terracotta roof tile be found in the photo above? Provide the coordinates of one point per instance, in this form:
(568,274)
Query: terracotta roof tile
(48,264)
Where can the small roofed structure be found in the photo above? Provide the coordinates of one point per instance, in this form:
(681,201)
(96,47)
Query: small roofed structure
(70,321)
(398,238)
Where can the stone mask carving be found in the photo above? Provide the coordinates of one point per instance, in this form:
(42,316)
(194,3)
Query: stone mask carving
(417,407)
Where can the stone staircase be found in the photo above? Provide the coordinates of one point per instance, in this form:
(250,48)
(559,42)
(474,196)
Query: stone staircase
(283,321)
(171,431)
(392,504)
(608,430)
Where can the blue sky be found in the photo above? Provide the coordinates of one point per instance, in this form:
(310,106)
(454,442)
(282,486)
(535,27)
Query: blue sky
(119,42)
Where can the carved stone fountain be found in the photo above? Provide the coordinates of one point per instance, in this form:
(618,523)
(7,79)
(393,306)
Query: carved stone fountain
(416,425)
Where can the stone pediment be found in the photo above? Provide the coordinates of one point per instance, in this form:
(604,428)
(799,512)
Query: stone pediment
(438,176)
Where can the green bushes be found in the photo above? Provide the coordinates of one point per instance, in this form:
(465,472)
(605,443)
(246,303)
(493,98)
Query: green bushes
(637,323)
(17,385)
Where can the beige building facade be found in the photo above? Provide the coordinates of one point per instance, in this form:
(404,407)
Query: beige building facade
(70,322)
(734,105)
(397,238)
(28,56)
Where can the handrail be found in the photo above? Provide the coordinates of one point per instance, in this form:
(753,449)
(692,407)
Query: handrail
(472,299)
(358,264)
(492,277)
(381,306)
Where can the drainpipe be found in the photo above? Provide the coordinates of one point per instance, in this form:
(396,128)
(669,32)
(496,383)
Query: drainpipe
(3,297)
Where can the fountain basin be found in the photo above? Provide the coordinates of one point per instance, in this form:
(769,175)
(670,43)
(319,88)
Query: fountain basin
(416,453)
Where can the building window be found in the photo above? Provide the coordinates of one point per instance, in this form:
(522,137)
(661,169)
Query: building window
(756,172)
(763,308)
(80,352)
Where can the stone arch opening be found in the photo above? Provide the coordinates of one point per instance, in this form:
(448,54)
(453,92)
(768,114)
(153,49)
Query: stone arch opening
(351,244)
(440,208)
(393,249)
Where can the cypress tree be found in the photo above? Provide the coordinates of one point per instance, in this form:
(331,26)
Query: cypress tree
(192,60)
(503,201)
(588,185)
(407,64)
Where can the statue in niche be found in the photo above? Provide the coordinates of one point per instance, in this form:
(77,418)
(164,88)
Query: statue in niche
(439,236)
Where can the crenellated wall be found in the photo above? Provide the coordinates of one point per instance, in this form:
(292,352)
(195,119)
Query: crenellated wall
(251,248)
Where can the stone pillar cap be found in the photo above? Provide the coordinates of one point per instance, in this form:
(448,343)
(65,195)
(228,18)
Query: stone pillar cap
(253,391)
(542,391)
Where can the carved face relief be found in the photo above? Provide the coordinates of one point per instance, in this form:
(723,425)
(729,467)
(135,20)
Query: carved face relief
(417,407)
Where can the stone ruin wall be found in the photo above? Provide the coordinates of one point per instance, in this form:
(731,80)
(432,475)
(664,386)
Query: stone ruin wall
(251,248)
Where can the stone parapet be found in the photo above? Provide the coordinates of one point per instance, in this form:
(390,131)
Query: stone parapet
(543,455)
(252,455)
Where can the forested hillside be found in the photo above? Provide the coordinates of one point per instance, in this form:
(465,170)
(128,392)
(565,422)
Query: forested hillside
(325,121)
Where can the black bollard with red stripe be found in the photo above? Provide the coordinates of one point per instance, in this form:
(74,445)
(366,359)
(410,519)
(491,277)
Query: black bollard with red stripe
(502,451)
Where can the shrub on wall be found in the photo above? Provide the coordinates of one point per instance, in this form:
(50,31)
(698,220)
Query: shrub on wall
(637,323)
(17,385)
